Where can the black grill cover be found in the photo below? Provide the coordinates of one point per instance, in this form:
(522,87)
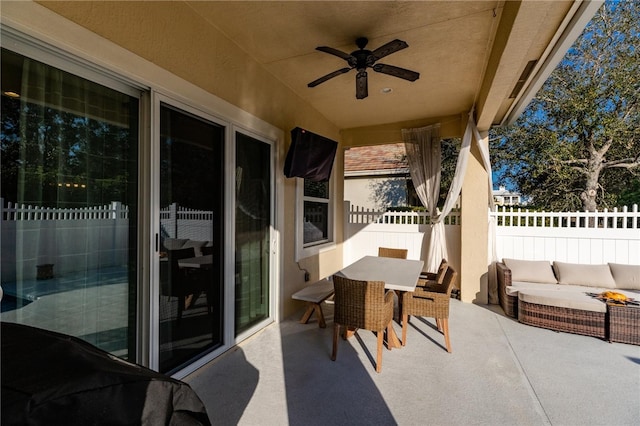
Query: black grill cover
(54,379)
(310,156)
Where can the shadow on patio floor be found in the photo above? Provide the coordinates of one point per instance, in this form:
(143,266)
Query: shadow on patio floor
(500,372)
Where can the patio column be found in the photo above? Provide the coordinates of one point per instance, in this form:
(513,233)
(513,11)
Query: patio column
(474,228)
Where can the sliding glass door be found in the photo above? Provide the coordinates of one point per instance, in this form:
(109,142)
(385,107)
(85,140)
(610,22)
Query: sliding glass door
(190,237)
(254,209)
(69,193)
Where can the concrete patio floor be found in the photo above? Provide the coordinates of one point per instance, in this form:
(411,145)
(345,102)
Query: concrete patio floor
(500,372)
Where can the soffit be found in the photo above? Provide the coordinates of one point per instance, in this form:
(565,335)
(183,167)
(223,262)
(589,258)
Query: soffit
(448,45)
(467,52)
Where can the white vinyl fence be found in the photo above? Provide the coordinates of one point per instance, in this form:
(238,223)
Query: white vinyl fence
(72,239)
(578,237)
(76,239)
(181,222)
(366,230)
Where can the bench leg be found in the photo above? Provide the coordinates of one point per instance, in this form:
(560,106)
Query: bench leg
(307,314)
(310,308)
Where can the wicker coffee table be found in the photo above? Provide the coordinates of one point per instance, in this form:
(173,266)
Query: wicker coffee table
(624,323)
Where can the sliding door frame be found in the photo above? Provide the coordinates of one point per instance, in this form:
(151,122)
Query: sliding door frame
(273,235)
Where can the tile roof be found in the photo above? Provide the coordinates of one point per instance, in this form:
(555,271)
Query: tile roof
(389,157)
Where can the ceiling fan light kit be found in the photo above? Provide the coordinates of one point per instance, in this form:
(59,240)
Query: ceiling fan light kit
(362,59)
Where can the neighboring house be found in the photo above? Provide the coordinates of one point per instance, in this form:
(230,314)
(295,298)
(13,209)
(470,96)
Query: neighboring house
(377,177)
(503,197)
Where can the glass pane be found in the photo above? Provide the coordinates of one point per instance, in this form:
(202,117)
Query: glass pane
(191,220)
(253,225)
(316,222)
(69,194)
(316,189)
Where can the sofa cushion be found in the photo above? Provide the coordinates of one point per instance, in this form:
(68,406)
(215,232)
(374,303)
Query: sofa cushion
(586,275)
(535,271)
(562,299)
(516,286)
(626,276)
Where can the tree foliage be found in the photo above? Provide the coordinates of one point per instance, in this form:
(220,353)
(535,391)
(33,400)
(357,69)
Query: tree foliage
(577,145)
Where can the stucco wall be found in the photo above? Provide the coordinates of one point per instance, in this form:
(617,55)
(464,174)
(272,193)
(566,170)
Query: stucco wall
(376,192)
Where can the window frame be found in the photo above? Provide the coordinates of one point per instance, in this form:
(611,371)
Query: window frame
(312,249)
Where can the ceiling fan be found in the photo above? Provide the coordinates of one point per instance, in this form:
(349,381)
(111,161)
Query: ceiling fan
(363,59)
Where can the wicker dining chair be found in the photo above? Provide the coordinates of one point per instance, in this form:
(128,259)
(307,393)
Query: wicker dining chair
(433,303)
(429,279)
(365,305)
(392,252)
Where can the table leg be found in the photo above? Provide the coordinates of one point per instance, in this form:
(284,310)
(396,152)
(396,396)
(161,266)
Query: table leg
(392,337)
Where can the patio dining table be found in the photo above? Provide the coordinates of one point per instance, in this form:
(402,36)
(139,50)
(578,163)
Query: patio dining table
(399,275)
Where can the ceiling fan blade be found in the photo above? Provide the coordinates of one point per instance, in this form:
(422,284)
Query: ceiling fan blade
(389,48)
(339,53)
(361,85)
(397,72)
(314,83)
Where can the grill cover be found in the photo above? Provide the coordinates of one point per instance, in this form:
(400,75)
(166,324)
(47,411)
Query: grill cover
(51,378)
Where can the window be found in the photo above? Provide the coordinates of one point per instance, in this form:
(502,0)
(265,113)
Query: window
(315,216)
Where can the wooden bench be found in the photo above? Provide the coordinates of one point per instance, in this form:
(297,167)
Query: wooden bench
(314,295)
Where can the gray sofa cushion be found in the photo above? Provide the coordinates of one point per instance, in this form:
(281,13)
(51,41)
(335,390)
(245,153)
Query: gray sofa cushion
(626,276)
(536,271)
(585,275)
(562,299)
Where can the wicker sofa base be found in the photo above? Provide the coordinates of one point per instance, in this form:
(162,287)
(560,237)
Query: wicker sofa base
(624,324)
(568,320)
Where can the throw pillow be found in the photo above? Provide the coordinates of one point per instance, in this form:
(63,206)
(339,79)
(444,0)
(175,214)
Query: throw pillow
(586,275)
(532,271)
(626,276)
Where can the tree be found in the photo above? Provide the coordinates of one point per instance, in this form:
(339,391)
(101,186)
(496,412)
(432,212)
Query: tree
(577,145)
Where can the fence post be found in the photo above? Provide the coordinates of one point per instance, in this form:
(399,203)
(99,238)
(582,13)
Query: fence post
(347,218)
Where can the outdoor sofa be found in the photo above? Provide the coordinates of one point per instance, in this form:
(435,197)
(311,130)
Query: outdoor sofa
(562,297)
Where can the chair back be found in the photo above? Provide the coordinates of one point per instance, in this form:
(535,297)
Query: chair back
(449,282)
(392,252)
(441,270)
(360,304)
(176,278)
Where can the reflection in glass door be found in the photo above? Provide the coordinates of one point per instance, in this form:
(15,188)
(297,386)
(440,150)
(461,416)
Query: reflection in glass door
(190,237)
(253,230)
(69,193)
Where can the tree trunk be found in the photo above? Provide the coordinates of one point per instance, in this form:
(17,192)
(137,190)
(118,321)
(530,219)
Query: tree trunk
(592,172)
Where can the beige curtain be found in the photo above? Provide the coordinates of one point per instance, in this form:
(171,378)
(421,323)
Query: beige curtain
(424,158)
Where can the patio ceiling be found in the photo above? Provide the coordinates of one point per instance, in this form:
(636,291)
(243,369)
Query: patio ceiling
(467,52)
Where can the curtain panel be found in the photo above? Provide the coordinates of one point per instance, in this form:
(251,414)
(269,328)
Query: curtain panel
(424,158)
